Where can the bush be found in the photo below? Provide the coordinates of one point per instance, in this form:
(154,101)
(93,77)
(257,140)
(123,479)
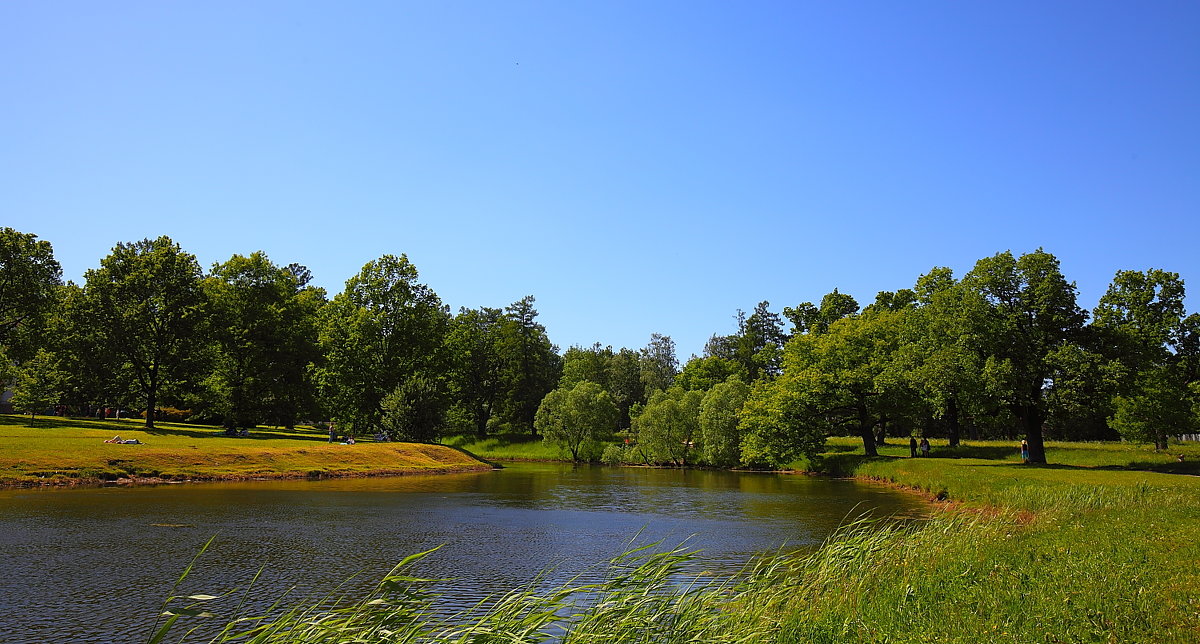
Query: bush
(170,414)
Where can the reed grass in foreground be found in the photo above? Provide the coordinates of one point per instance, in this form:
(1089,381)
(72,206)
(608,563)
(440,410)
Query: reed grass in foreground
(1026,554)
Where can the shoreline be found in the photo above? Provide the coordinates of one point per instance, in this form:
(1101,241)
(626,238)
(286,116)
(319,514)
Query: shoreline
(126,481)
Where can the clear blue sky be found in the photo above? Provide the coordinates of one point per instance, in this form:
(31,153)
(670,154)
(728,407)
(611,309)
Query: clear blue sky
(637,166)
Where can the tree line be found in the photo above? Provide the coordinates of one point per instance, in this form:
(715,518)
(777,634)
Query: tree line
(250,342)
(1003,351)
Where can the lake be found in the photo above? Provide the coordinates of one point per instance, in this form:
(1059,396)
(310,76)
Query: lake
(93,564)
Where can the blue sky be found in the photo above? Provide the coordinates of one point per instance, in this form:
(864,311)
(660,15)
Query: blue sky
(638,167)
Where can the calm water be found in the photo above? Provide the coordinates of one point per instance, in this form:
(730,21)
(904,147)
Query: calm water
(92,565)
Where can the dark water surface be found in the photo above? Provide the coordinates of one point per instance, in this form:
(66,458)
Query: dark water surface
(93,565)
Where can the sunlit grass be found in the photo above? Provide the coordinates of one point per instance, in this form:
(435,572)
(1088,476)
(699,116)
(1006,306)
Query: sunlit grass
(508,447)
(67,450)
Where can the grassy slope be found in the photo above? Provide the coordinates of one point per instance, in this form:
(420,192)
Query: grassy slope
(1078,551)
(63,450)
(508,447)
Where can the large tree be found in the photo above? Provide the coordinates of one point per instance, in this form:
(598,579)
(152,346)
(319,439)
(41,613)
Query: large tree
(39,384)
(659,365)
(534,366)
(617,372)
(476,343)
(1031,313)
(720,417)
(29,278)
(262,321)
(1150,334)
(382,338)
(940,354)
(576,419)
(148,305)
(668,426)
(757,347)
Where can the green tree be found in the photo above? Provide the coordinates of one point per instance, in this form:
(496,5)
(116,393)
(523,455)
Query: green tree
(1163,404)
(29,279)
(1149,332)
(1031,313)
(658,363)
(576,419)
(476,342)
(837,380)
(415,409)
(625,383)
(100,377)
(780,420)
(669,424)
(617,372)
(262,322)
(704,373)
(384,330)
(590,364)
(148,307)
(720,418)
(807,318)
(39,384)
(939,356)
(757,347)
(534,366)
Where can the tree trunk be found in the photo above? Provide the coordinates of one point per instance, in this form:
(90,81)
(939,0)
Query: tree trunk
(481,420)
(151,398)
(952,417)
(865,427)
(1032,419)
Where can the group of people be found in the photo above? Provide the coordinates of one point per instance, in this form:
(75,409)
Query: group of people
(913,446)
(923,446)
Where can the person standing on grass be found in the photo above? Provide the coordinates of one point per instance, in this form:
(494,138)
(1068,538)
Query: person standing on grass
(332,432)
(924,446)
(1024,451)
(912,446)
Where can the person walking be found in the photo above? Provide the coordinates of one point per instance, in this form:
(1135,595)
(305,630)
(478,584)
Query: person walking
(1024,451)
(912,446)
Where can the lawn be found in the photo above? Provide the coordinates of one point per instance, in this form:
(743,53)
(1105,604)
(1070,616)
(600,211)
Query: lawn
(64,451)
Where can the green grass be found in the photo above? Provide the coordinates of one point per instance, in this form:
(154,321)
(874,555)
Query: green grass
(64,451)
(508,447)
(1093,549)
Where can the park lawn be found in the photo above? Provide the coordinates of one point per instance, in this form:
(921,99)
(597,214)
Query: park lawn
(65,451)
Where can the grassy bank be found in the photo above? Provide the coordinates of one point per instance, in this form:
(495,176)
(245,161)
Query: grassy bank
(68,451)
(1094,549)
(508,447)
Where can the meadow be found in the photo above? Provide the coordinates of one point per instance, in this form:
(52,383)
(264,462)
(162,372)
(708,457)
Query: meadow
(64,451)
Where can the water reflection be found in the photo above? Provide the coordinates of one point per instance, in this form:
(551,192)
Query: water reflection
(93,564)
